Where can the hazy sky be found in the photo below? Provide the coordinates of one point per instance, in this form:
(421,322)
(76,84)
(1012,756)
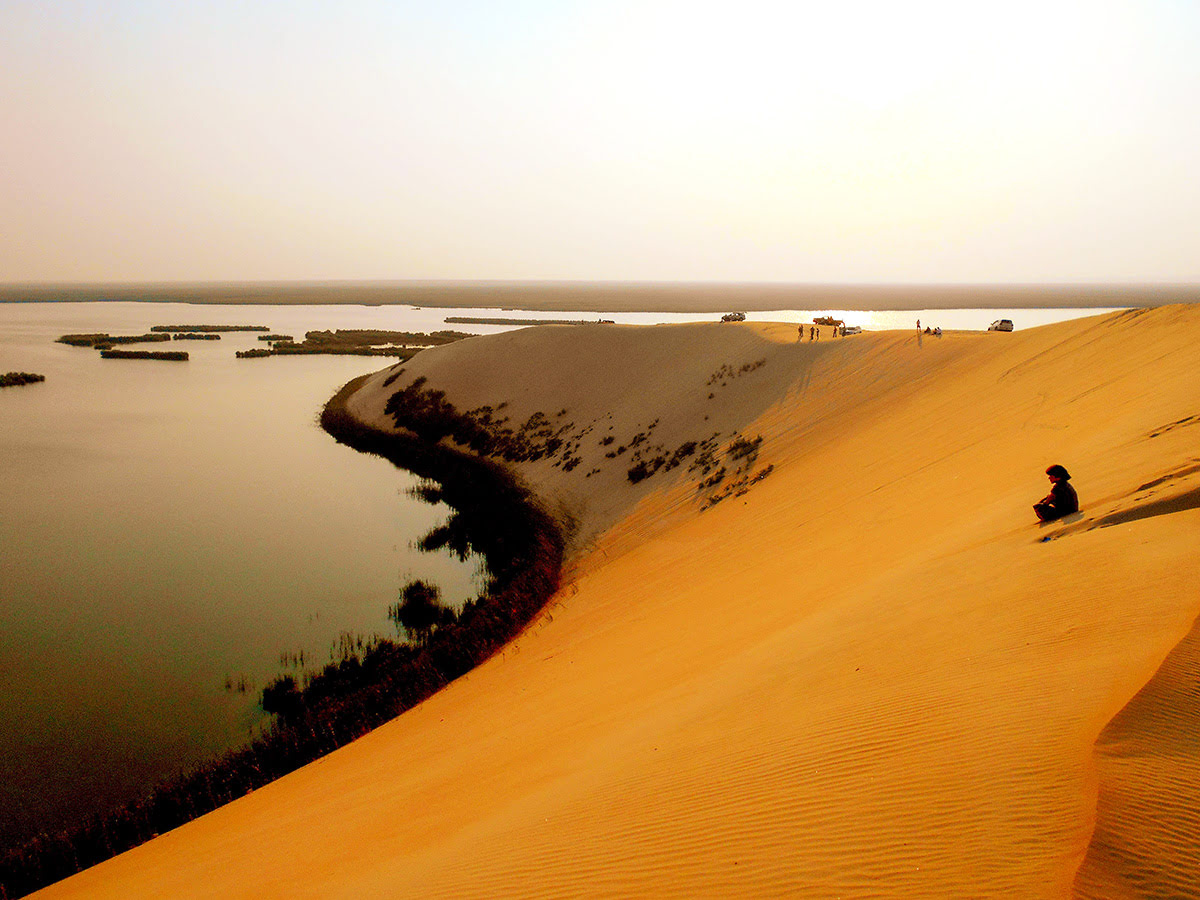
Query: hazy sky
(844,140)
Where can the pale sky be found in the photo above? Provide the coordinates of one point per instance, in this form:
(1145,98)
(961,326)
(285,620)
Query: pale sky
(844,140)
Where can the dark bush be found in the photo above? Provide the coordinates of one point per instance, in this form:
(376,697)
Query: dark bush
(209,328)
(282,696)
(171,355)
(13,379)
(420,611)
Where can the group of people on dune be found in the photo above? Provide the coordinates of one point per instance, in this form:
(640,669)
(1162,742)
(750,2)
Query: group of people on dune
(814,333)
(1062,499)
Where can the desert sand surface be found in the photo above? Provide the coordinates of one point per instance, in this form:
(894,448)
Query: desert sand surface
(854,667)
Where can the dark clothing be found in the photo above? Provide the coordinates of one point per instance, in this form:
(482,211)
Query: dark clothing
(1061,501)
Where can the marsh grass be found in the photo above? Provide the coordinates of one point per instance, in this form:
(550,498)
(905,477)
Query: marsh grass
(420,611)
(171,355)
(102,341)
(209,328)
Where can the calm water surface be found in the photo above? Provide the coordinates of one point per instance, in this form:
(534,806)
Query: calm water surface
(166,529)
(170,531)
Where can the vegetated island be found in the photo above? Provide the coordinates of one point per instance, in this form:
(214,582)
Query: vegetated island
(169,355)
(208,328)
(372,680)
(195,336)
(13,379)
(106,343)
(356,342)
(102,341)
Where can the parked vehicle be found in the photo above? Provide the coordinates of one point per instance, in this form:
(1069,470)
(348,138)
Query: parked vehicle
(852,329)
(1001,325)
(734,317)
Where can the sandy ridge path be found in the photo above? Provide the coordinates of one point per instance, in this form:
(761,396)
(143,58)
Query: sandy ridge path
(868,675)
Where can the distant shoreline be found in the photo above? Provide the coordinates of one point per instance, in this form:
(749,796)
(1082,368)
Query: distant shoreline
(600,296)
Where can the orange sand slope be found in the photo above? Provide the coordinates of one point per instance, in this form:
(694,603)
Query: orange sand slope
(853,667)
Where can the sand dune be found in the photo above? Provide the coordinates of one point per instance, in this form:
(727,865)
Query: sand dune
(853,667)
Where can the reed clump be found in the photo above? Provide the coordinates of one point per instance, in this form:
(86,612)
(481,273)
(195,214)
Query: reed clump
(209,328)
(83,340)
(103,341)
(427,414)
(172,355)
(355,342)
(14,379)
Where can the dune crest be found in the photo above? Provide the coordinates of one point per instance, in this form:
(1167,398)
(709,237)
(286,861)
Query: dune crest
(854,665)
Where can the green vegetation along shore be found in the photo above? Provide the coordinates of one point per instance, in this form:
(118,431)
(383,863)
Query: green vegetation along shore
(13,379)
(375,679)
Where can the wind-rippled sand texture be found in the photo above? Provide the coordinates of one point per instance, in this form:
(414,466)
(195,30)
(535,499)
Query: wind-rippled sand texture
(853,667)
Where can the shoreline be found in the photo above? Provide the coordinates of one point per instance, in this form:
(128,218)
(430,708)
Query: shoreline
(616,296)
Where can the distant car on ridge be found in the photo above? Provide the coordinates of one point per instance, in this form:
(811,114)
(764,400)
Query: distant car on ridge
(852,329)
(1001,325)
(734,317)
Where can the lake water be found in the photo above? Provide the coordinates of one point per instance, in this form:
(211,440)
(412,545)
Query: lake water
(174,535)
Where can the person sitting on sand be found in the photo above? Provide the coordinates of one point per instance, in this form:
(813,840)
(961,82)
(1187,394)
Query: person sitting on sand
(1062,499)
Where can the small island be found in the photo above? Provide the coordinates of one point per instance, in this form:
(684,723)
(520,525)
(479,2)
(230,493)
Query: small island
(195,336)
(13,379)
(104,341)
(498,320)
(172,355)
(209,328)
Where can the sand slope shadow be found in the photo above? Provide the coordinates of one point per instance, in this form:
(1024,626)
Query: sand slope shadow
(1146,842)
(1165,506)
(1144,502)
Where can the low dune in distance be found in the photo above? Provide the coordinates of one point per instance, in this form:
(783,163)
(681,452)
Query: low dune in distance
(623,296)
(853,665)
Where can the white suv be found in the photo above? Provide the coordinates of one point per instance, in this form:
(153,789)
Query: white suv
(1001,325)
